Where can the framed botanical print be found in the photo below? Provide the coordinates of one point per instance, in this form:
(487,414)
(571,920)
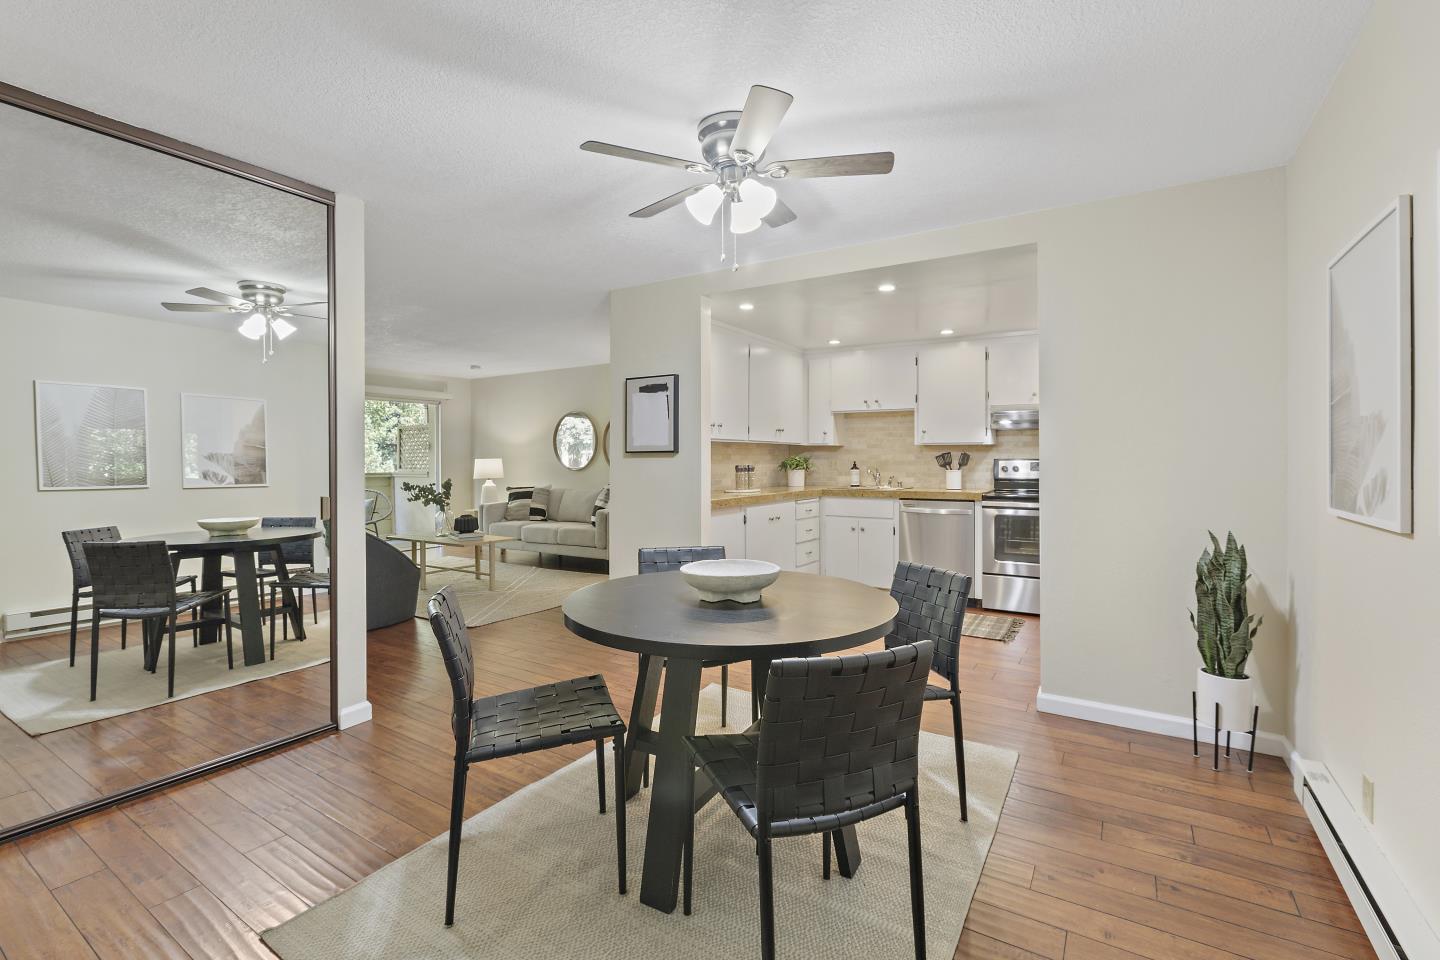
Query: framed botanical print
(90,436)
(223,441)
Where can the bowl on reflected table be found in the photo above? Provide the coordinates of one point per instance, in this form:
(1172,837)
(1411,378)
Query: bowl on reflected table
(738,580)
(227,526)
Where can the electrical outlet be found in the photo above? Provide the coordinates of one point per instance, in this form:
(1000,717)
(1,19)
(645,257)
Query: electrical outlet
(1367,797)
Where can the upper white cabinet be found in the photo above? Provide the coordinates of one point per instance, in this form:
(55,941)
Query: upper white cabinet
(951,386)
(729,384)
(1014,370)
(820,416)
(777,394)
(875,378)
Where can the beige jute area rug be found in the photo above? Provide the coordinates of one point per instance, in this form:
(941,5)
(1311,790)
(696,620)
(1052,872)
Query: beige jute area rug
(990,627)
(520,589)
(537,879)
(44,697)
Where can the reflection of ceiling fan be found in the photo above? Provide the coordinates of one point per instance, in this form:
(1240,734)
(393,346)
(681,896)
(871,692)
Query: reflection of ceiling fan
(733,144)
(263,306)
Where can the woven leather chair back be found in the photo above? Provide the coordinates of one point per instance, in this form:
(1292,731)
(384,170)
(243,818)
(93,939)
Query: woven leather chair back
(131,576)
(301,552)
(660,559)
(75,541)
(448,625)
(932,607)
(840,733)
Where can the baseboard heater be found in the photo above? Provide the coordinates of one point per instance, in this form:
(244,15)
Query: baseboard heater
(1392,921)
(35,623)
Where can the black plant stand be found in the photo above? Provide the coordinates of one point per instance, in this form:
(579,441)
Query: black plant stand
(1195,731)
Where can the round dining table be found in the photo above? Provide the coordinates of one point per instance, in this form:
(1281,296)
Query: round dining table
(245,548)
(661,618)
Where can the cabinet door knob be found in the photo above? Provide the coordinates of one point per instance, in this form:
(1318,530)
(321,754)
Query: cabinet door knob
(862,529)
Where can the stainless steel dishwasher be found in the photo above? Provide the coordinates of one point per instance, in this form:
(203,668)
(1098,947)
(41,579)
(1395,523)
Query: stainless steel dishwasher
(939,533)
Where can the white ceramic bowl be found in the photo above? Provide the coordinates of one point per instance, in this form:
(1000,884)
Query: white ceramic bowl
(227,526)
(738,580)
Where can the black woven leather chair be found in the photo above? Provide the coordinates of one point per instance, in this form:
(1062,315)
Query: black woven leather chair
(659,559)
(299,556)
(136,581)
(932,607)
(838,743)
(80,575)
(521,721)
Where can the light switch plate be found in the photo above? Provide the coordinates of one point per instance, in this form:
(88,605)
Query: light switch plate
(1367,798)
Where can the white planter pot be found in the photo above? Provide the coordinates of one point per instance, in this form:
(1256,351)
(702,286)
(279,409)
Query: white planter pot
(796,478)
(1235,697)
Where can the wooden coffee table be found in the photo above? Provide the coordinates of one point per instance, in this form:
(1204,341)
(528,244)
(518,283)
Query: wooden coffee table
(418,553)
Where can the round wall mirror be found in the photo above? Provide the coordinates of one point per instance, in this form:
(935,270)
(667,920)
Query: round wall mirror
(575,441)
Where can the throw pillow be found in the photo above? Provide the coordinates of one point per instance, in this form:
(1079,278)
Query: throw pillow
(602,502)
(517,503)
(540,502)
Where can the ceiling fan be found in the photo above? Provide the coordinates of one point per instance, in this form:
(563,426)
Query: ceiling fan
(732,147)
(263,306)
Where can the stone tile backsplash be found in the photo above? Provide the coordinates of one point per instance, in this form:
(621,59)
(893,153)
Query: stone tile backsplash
(885,441)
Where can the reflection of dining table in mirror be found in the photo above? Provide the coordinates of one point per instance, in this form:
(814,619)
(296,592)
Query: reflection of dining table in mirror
(245,549)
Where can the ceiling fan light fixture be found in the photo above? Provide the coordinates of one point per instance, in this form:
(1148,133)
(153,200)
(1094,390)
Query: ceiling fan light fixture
(282,327)
(758,196)
(254,326)
(702,205)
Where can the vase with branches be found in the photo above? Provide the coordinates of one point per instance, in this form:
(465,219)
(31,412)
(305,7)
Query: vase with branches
(432,495)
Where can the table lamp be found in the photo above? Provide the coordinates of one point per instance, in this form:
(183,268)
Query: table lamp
(489,470)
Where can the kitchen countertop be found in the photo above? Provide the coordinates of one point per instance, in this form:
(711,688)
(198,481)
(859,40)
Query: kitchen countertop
(720,500)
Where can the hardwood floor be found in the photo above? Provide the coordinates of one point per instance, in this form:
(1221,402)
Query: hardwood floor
(1112,844)
(54,771)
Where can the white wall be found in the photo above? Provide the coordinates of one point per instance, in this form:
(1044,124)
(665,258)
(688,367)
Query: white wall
(46,342)
(515,416)
(1162,354)
(1367,660)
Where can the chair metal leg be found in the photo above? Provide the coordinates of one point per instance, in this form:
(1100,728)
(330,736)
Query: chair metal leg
(94,651)
(767,899)
(172,655)
(645,771)
(229,635)
(600,771)
(724,693)
(917,875)
(271,606)
(619,746)
(123,638)
(315,606)
(825,861)
(457,818)
(960,755)
(74,622)
(687,862)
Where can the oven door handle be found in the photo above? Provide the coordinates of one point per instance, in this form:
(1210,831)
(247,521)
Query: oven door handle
(1011,511)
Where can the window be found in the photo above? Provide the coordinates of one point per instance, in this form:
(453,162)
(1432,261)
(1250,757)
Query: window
(399,436)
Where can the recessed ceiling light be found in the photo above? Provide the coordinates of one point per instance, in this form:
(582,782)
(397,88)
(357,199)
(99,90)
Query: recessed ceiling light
(946,332)
(834,343)
(747,306)
(886,288)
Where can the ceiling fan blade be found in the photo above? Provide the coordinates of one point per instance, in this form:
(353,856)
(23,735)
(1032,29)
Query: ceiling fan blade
(848,165)
(312,303)
(660,206)
(779,215)
(764,109)
(198,307)
(630,153)
(216,295)
(307,316)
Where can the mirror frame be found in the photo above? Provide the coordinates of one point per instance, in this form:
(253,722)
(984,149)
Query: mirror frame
(605,443)
(555,439)
(22,99)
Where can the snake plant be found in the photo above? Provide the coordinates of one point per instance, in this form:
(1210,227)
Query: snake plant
(1223,623)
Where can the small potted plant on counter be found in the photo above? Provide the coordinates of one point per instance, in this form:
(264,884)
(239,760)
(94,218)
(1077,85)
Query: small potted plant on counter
(430,495)
(1225,633)
(795,468)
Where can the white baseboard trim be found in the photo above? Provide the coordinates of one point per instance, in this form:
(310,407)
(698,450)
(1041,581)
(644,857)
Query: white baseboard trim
(1165,724)
(1391,918)
(355,714)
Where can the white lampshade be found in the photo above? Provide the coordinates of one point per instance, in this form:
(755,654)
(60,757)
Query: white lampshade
(254,326)
(756,201)
(282,327)
(702,205)
(489,469)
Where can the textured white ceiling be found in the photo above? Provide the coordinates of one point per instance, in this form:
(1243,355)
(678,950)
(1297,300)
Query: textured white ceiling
(493,240)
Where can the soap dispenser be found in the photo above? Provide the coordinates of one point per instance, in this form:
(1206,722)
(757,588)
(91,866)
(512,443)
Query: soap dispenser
(854,473)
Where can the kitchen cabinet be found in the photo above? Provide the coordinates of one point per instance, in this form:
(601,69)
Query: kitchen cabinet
(770,534)
(729,384)
(857,540)
(875,378)
(951,386)
(1014,370)
(820,417)
(727,529)
(777,393)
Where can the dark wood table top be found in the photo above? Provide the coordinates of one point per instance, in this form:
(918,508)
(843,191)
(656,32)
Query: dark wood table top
(198,541)
(800,614)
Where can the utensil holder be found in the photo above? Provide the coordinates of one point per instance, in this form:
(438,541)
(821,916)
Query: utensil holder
(952,480)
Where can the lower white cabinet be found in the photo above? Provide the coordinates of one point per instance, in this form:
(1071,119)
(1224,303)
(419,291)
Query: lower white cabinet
(727,529)
(858,539)
(770,534)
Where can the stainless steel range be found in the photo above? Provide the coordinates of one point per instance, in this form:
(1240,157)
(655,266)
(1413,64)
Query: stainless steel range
(1010,531)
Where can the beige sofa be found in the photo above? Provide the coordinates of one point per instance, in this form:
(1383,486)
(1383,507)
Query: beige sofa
(567,533)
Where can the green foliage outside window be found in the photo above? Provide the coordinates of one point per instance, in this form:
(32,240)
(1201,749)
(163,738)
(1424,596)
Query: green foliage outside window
(383,420)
